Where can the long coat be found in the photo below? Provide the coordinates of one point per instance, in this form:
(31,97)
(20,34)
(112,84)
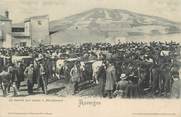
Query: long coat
(155,79)
(15,77)
(102,79)
(176,88)
(29,73)
(20,74)
(75,75)
(110,78)
(166,78)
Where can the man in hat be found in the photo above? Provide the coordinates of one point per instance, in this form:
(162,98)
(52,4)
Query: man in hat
(122,86)
(15,79)
(165,76)
(75,77)
(102,79)
(36,71)
(10,70)
(20,69)
(43,79)
(29,73)
(153,78)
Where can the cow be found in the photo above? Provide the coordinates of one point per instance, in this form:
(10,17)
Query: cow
(86,70)
(59,67)
(95,68)
(64,65)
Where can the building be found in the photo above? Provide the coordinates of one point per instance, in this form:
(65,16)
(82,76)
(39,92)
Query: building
(37,28)
(20,39)
(34,31)
(5,30)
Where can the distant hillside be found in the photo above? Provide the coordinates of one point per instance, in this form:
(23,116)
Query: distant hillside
(100,24)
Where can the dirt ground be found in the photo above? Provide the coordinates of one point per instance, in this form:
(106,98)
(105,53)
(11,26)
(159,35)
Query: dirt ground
(56,88)
(60,88)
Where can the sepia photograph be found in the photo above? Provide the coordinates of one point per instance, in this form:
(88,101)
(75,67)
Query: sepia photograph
(104,52)
(98,49)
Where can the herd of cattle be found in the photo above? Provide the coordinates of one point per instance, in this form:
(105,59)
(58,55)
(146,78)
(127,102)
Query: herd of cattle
(154,64)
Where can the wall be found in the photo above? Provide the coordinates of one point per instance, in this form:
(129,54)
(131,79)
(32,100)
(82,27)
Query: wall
(40,31)
(16,41)
(8,42)
(1,37)
(27,28)
(5,27)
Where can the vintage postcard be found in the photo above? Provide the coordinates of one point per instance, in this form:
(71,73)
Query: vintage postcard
(90,58)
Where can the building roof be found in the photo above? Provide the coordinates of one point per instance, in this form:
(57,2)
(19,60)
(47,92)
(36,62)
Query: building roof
(2,18)
(36,17)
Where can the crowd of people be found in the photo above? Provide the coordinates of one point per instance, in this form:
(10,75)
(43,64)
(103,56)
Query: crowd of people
(131,69)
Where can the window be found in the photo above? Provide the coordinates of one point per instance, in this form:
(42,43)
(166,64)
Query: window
(17,29)
(22,44)
(39,22)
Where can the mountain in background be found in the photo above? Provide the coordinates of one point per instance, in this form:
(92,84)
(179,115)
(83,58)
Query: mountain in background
(102,24)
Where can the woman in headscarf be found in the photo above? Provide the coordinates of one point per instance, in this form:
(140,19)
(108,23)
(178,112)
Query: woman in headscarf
(110,78)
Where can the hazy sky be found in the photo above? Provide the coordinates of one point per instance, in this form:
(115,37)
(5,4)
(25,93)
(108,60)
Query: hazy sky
(56,9)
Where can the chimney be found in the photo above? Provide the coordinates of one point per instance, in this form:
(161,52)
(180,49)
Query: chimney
(7,14)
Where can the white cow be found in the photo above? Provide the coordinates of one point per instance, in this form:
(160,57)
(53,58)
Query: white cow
(59,65)
(16,59)
(95,67)
(82,66)
(164,53)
